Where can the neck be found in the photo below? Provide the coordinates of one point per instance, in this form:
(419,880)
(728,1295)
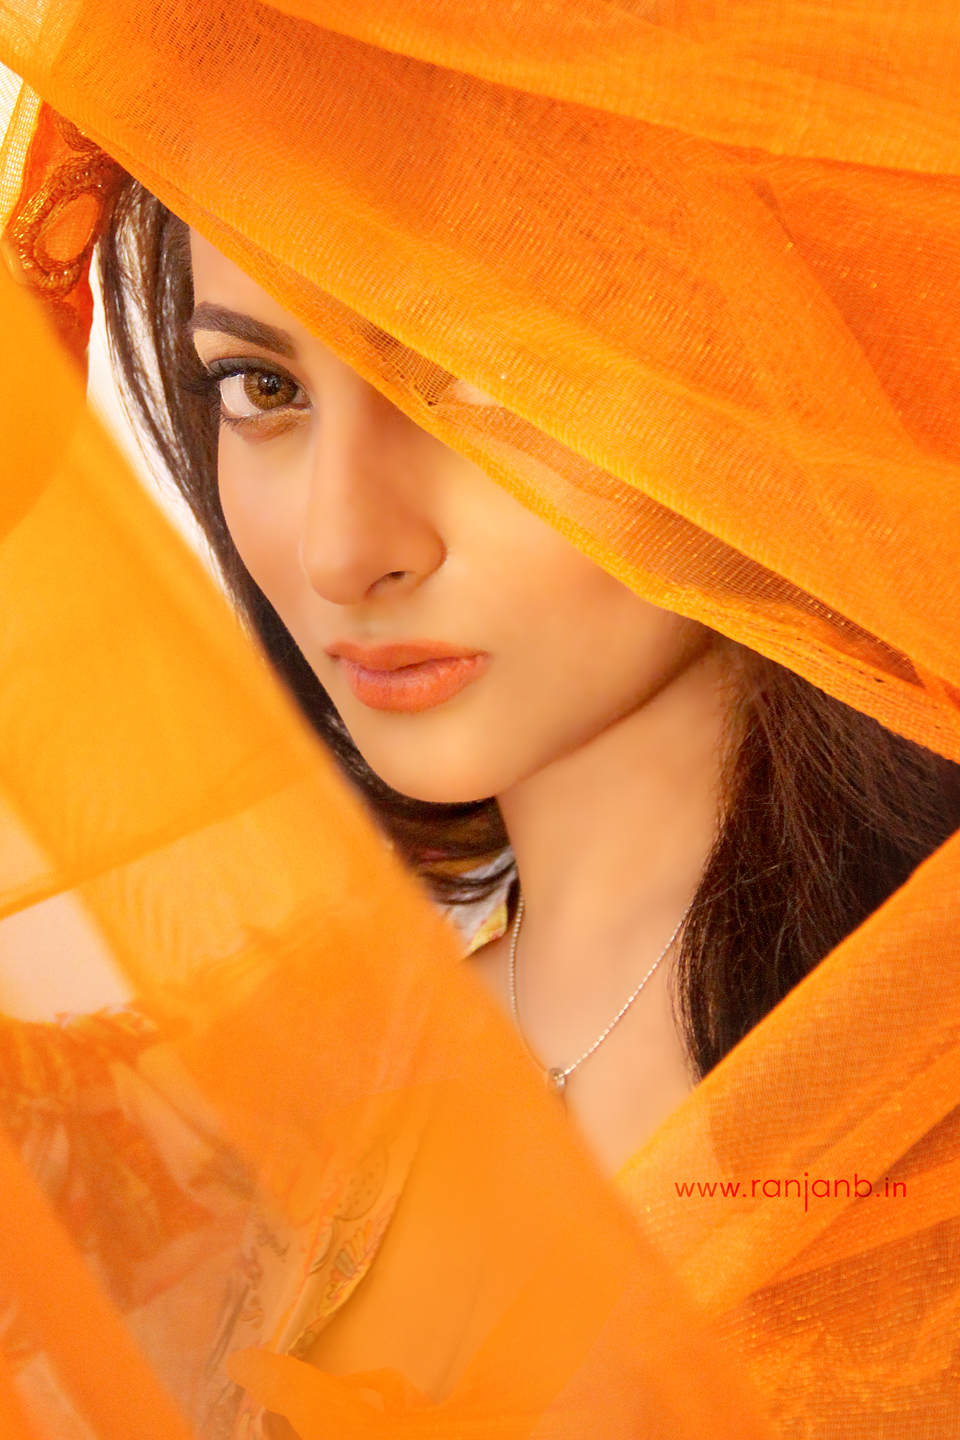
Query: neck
(611,839)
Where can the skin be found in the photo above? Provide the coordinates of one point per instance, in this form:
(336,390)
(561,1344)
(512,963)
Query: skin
(597,720)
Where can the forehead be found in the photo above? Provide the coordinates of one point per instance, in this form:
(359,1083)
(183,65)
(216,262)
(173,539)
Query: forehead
(220,285)
(218,282)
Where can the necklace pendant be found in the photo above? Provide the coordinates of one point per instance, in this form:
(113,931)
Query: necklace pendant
(556,1080)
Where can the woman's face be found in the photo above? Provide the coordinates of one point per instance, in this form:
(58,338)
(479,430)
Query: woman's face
(465,643)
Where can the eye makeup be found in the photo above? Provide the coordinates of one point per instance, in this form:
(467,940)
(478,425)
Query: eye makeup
(258,398)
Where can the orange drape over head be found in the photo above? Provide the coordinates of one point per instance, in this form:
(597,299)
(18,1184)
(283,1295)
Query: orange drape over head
(704,257)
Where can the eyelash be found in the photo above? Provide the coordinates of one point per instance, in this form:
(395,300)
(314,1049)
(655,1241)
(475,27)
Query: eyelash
(207,384)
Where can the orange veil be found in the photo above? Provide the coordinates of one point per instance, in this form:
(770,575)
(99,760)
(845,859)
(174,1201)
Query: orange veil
(703,254)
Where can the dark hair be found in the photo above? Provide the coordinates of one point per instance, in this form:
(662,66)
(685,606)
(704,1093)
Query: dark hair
(826,813)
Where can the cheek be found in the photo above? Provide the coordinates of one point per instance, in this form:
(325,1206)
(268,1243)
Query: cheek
(262,506)
(574,648)
(571,623)
(588,651)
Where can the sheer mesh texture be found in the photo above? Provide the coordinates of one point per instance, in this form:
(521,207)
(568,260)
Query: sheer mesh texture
(703,257)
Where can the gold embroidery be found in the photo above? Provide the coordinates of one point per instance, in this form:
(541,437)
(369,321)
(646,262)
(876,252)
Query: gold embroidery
(69,187)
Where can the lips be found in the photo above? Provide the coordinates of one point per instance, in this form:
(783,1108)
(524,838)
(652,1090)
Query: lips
(407,676)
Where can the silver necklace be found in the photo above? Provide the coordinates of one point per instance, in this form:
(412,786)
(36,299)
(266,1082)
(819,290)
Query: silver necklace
(556,1076)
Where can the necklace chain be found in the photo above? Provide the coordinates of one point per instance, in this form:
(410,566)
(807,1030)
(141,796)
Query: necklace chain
(557,1076)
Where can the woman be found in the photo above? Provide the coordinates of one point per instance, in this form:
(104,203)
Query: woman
(648,775)
(354,524)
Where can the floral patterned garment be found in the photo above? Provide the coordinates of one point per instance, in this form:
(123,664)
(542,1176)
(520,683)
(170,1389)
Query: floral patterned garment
(294,1279)
(168,1216)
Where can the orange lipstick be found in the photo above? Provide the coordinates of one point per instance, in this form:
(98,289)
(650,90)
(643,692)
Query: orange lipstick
(407,676)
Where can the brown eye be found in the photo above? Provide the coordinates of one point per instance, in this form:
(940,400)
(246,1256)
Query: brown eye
(252,392)
(267,390)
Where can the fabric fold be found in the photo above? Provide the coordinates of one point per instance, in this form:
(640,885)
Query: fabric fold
(699,263)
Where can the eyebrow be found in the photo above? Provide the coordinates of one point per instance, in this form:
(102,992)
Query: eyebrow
(243,327)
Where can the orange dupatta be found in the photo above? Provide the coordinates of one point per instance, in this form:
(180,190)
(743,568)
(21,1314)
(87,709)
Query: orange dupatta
(573,213)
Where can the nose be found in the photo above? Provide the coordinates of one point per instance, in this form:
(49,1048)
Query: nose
(366,526)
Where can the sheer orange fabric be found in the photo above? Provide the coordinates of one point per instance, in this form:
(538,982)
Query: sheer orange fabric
(704,258)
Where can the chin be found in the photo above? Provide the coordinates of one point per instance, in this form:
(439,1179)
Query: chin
(435,789)
(435,779)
